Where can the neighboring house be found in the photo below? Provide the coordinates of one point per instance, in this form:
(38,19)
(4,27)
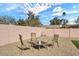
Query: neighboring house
(51,26)
(72,25)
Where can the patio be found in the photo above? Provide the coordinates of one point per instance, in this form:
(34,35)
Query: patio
(66,48)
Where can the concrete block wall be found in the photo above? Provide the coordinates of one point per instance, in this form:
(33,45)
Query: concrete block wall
(10,33)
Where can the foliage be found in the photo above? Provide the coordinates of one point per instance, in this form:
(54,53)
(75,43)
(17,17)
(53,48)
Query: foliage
(21,22)
(33,20)
(7,20)
(77,21)
(64,22)
(64,13)
(31,15)
(55,21)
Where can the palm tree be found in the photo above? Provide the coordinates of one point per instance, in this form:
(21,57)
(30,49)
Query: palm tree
(64,13)
(64,21)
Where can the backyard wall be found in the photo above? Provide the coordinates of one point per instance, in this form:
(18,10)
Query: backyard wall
(10,33)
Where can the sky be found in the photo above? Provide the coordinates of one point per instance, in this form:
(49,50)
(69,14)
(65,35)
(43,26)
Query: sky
(45,11)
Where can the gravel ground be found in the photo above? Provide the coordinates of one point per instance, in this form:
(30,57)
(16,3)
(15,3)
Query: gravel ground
(66,48)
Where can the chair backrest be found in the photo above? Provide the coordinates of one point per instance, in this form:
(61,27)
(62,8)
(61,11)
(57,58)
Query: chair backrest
(56,36)
(20,37)
(33,36)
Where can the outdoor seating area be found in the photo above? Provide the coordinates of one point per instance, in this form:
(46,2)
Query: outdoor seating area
(39,29)
(37,43)
(28,41)
(34,48)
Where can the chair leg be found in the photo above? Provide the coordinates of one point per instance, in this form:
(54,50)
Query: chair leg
(32,48)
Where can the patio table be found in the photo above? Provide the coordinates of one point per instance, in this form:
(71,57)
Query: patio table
(39,45)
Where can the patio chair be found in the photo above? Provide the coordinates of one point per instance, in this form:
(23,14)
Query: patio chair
(35,42)
(33,39)
(33,36)
(55,39)
(22,46)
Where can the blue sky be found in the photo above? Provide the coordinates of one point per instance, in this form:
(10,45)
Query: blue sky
(46,11)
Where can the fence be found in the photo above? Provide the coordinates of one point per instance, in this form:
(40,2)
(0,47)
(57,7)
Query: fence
(10,33)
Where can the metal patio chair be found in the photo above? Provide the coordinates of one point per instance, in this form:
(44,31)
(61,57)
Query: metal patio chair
(22,46)
(55,39)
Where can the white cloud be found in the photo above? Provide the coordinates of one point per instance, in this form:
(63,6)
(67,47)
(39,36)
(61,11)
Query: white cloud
(71,20)
(57,4)
(74,7)
(34,7)
(57,14)
(58,9)
(37,8)
(67,12)
(11,7)
(72,12)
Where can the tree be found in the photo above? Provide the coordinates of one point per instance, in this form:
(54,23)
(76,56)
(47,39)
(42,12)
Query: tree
(55,21)
(30,15)
(64,21)
(64,13)
(7,20)
(33,20)
(2,20)
(77,20)
(21,22)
